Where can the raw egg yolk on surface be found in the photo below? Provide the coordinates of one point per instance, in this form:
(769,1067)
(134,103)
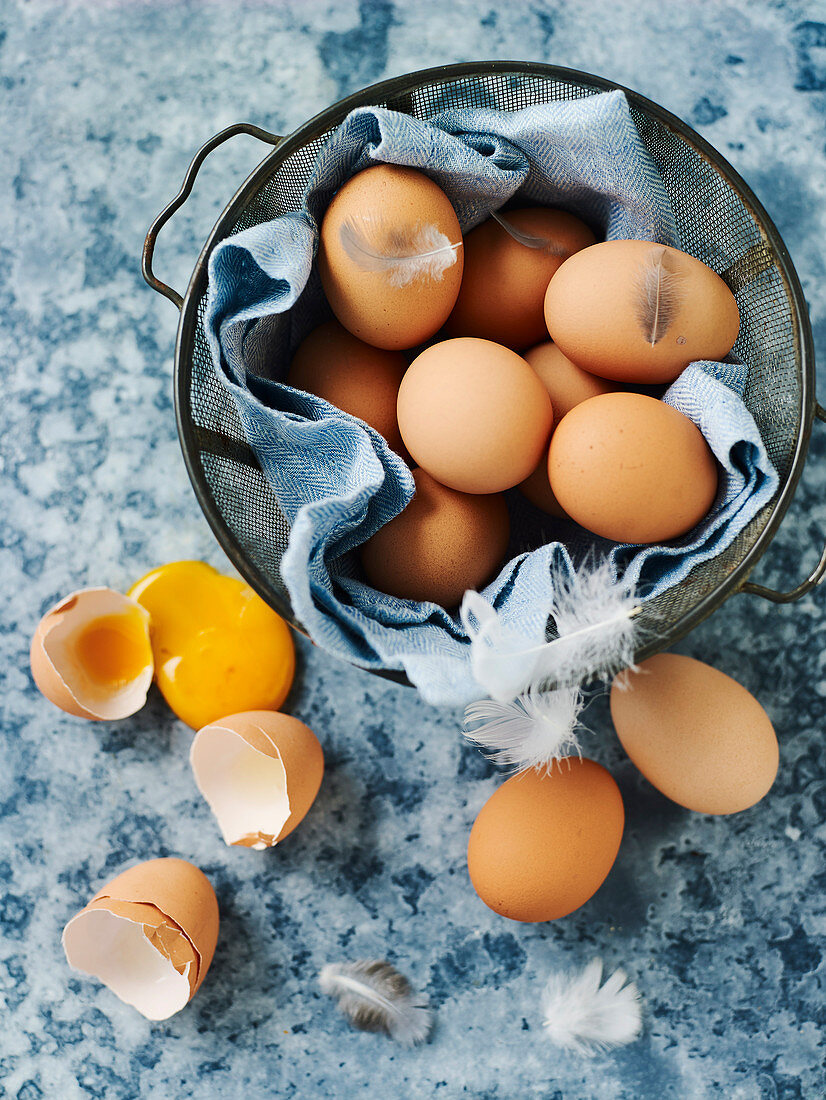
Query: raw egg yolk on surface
(219,649)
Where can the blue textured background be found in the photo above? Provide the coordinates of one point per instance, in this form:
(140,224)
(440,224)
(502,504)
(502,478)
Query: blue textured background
(721,922)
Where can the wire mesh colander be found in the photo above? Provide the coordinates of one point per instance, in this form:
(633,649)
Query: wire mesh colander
(720,222)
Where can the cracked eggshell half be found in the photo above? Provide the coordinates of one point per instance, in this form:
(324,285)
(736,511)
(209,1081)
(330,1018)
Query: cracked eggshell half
(260,772)
(149,935)
(91,655)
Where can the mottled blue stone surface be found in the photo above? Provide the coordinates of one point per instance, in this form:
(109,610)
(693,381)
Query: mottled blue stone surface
(721,922)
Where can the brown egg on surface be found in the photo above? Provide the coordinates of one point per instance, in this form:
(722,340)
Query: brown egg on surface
(636,311)
(631,468)
(504,281)
(380,216)
(543,844)
(474,415)
(695,734)
(149,935)
(260,772)
(567,385)
(91,655)
(443,543)
(355,377)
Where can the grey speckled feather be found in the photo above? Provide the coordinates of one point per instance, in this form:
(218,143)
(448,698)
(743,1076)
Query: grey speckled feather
(545,244)
(658,294)
(374,996)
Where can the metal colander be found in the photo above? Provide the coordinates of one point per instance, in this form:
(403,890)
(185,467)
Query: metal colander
(720,222)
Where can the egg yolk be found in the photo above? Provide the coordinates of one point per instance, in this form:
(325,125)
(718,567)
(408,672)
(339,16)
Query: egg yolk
(113,649)
(219,649)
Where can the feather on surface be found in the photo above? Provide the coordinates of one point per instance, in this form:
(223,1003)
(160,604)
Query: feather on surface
(584,1016)
(659,295)
(532,731)
(402,253)
(374,996)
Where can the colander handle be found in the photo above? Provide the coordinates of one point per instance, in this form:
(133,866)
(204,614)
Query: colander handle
(184,193)
(810,582)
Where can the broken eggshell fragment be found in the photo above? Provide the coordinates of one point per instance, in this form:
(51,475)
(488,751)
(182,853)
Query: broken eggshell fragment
(149,935)
(260,772)
(91,655)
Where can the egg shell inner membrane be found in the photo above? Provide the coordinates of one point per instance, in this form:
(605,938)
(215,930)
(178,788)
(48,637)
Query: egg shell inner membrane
(245,786)
(117,951)
(60,644)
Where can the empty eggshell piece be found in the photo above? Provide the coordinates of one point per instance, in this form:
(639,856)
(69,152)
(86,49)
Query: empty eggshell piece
(355,377)
(544,843)
(443,543)
(260,772)
(504,281)
(474,415)
(91,655)
(631,468)
(149,935)
(637,311)
(396,211)
(697,735)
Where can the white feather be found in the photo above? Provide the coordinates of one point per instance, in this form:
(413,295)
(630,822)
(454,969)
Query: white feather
(531,732)
(403,253)
(594,617)
(586,1018)
(543,244)
(374,996)
(500,656)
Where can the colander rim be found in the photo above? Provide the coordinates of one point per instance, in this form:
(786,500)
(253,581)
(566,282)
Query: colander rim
(319,124)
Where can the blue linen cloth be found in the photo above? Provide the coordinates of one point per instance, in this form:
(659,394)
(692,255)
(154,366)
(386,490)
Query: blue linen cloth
(335,478)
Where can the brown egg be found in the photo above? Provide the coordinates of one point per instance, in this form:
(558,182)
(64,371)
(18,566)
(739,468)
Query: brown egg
(504,282)
(537,488)
(697,735)
(542,845)
(567,385)
(443,543)
(631,468)
(392,211)
(353,376)
(636,311)
(474,415)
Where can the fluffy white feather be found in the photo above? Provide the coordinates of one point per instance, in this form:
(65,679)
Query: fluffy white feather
(531,732)
(374,996)
(595,620)
(659,294)
(501,658)
(544,244)
(595,617)
(585,1017)
(403,253)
